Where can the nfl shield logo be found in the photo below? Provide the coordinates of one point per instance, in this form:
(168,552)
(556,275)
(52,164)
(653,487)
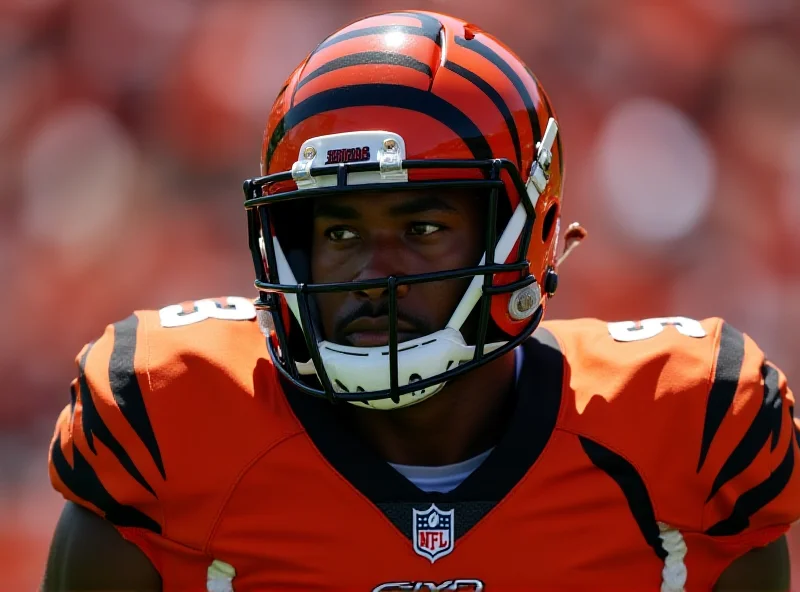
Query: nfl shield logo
(433,533)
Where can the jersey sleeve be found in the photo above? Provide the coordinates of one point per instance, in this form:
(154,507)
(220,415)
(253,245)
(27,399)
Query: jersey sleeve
(748,451)
(701,413)
(105,455)
(163,421)
(699,424)
(126,448)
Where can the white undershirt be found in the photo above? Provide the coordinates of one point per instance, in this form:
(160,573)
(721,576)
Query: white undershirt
(443,478)
(446,478)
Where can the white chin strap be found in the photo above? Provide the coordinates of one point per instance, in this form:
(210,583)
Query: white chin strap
(366,369)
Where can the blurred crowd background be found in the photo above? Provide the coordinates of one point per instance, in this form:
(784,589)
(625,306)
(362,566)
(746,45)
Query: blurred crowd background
(127,126)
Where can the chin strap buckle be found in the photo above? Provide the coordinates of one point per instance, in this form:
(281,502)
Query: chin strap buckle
(540,171)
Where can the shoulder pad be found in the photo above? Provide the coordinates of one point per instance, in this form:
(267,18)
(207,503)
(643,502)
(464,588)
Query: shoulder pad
(698,410)
(160,413)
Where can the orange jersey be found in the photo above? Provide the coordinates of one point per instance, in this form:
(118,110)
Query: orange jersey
(637,453)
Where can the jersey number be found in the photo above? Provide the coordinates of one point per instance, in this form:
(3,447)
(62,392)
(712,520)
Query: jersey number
(232,308)
(647,328)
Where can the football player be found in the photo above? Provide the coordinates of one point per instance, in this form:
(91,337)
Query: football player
(398,417)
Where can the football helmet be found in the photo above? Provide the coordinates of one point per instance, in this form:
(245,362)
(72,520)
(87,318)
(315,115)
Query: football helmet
(408,100)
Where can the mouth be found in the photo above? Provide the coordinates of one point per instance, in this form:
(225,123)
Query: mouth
(377,338)
(374,332)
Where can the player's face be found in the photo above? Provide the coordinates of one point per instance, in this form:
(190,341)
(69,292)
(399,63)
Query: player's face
(375,235)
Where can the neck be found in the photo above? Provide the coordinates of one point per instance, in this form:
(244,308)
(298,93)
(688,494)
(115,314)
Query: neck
(467,417)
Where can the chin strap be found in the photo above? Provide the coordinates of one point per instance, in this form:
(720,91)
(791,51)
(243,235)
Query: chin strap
(366,369)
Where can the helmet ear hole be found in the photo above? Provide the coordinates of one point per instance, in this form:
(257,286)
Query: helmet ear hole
(549,222)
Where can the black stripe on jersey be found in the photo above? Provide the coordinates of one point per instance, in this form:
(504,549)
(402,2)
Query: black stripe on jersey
(633,488)
(430,28)
(94,426)
(766,424)
(388,95)
(488,53)
(81,480)
(752,500)
(126,390)
(384,58)
(730,357)
(496,98)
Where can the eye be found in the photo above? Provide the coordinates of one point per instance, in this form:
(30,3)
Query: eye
(424,228)
(339,234)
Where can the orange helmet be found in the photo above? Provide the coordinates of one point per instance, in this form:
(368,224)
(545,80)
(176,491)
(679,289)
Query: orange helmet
(397,101)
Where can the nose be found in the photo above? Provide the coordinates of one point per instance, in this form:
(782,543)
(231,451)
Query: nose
(382,262)
(374,294)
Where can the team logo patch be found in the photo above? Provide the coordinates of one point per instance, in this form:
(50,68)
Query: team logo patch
(433,532)
(348,155)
